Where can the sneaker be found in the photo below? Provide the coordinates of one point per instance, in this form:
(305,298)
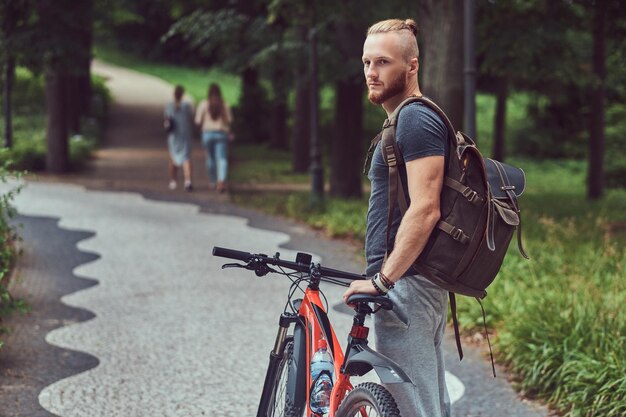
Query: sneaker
(172,185)
(188,186)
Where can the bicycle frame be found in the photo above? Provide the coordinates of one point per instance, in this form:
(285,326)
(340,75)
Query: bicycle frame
(360,358)
(312,314)
(311,324)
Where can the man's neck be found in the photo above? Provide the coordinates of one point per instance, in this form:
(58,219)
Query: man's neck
(391,104)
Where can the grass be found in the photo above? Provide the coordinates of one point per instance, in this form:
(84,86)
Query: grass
(195,80)
(259,165)
(559,318)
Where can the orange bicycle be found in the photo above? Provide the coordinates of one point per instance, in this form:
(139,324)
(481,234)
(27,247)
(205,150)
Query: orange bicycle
(308,373)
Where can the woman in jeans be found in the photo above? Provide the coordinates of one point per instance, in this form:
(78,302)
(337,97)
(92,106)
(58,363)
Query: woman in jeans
(214,119)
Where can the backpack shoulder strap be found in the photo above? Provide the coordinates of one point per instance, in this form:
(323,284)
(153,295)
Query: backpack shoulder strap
(393,159)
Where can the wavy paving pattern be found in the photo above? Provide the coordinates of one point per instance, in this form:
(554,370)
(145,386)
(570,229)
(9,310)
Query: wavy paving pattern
(174,335)
(27,362)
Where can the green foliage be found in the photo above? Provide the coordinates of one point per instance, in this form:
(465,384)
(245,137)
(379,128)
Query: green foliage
(552,63)
(8,237)
(257,164)
(336,217)
(29,142)
(212,32)
(615,168)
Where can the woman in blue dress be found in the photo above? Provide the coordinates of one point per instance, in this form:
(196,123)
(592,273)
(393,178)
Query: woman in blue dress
(178,121)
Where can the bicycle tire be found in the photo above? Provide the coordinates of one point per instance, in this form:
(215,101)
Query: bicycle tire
(280,404)
(371,398)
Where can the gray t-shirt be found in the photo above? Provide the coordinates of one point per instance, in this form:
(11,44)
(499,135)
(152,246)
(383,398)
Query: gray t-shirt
(420,132)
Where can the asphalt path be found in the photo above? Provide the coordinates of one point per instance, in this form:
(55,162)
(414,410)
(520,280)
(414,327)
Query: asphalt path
(132,316)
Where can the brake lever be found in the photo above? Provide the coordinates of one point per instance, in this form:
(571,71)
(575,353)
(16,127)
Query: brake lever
(234,265)
(259,268)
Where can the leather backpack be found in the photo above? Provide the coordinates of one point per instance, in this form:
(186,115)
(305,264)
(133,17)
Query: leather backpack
(479,212)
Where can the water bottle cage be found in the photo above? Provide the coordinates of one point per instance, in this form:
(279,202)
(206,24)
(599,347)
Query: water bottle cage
(314,382)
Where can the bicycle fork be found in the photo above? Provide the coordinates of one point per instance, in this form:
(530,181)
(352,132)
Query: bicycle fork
(276,355)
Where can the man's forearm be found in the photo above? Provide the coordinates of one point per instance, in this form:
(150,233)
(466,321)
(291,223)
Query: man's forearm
(413,233)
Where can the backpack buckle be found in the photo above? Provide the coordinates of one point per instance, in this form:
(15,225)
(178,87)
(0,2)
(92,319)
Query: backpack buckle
(459,236)
(391,156)
(470,194)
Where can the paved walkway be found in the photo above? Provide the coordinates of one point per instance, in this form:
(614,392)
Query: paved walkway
(164,331)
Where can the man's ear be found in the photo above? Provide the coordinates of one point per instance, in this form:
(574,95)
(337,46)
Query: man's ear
(414,66)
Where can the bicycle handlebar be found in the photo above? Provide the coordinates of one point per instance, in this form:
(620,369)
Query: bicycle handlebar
(296,266)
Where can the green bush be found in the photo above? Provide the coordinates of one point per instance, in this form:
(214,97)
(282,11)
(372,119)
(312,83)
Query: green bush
(29,135)
(615,169)
(615,175)
(8,237)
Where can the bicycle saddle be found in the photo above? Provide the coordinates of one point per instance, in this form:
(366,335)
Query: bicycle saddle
(384,302)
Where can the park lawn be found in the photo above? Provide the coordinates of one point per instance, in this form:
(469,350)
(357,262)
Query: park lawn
(195,80)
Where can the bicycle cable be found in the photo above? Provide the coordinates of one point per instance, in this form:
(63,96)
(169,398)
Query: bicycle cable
(296,279)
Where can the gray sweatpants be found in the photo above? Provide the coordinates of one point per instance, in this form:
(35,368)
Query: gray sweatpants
(411,334)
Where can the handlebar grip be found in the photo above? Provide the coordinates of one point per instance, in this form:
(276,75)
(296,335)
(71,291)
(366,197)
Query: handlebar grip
(232,254)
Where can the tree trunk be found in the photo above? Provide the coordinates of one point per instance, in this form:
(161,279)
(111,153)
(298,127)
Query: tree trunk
(84,78)
(279,124)
(301,132)
(56,129)
(596,126)
(441,55)
(9,28)
(9,72)
(251,123)
(346,156)
(500,120)
(300,142)
(73,110)
(347,139)
(78,82)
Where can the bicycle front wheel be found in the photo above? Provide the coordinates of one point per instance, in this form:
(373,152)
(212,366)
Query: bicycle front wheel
(368,399)
(284,400)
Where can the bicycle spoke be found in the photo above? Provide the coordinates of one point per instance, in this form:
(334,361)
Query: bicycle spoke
(281,400)
(368,412)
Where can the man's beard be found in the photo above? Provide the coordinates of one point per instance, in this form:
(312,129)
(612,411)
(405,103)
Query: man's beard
(396,86)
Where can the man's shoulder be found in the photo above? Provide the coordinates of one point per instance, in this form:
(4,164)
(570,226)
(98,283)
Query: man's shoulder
(418,110)
(418,117)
